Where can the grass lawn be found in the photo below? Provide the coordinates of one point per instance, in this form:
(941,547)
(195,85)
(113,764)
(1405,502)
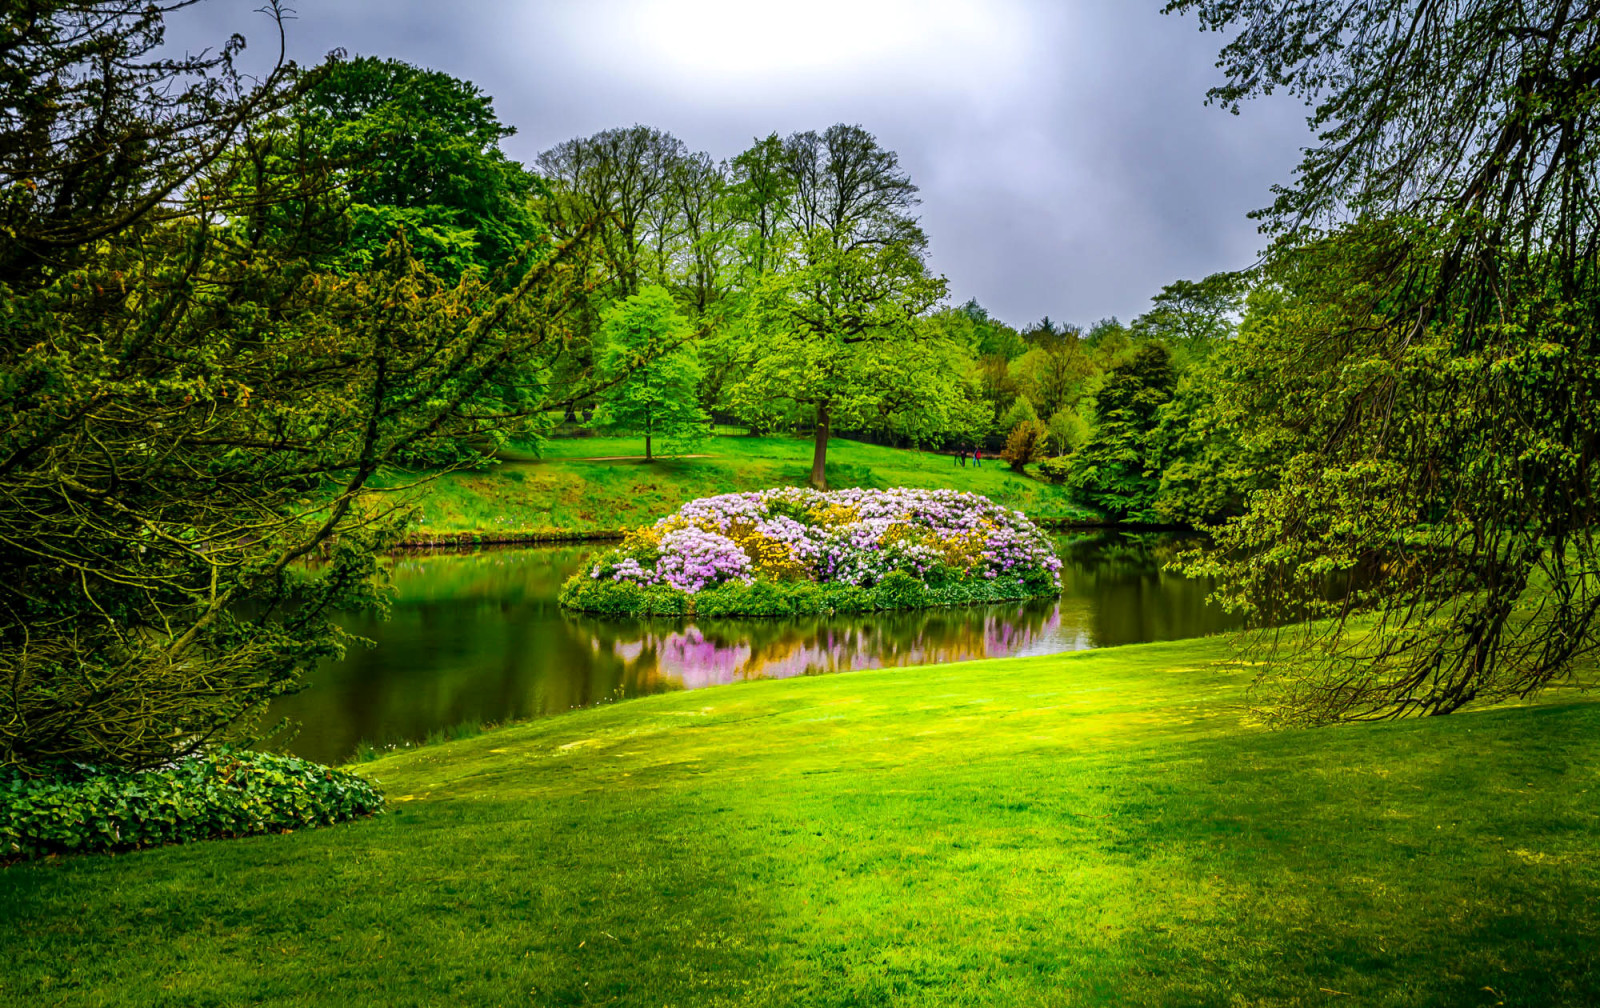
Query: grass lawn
(563,491)
(1103,828)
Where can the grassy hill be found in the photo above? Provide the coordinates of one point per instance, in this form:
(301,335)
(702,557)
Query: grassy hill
(564,490)
(1103,828)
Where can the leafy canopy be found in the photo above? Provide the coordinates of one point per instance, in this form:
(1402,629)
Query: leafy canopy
(1431,365)
(655,373)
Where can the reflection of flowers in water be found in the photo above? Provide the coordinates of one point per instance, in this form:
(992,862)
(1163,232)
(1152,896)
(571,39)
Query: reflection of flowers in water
(627,650)
(729,651)
(694,661)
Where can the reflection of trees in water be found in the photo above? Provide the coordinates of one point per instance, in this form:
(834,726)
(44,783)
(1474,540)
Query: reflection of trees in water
(661,654)
(1127,596)
(504,574)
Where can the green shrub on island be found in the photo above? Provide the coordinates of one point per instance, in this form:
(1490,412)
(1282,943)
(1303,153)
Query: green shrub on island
(798,552)
(221,793)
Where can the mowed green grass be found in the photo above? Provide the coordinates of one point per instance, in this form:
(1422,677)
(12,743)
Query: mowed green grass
(563,491)
(1105,828)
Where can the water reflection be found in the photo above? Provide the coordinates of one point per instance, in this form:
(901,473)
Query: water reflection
(478,637)
(661,655)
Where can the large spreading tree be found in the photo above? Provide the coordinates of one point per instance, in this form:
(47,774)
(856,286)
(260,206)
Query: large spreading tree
(195,403)
(1431,368)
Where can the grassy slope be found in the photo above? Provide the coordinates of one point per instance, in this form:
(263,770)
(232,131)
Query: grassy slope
(563,492)
(1095,829)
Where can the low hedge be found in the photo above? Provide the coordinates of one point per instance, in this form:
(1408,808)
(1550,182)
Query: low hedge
(221,793)
(762,598)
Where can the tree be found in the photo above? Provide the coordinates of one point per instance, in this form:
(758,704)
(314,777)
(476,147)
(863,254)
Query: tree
(836,324)
(1021,412)
(700,199)
(1115,471)
(416,152)
(840,339)
(1193,317)
(1067,430)
(195,406)
(759,192)
(619,179)
(420,155)
(654,374)
(1024,444)
(1054,374)
(98,134)
(1436,358)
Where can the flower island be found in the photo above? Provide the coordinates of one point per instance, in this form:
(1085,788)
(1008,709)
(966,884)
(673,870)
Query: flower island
(793,551)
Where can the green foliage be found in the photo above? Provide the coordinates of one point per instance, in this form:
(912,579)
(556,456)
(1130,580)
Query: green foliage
(774,599)
(419,154)
(765,598)
(1067,430)
(1115,472)
(652,374)
(899,590)
(1024,444)
(606,597)
(216,793)
(1193,318)
(1054,375)
(1211,455)
(1021,412)
(981,334)
(1056,469)
(1432,362)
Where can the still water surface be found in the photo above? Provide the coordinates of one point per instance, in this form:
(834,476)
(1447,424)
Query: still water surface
(478,637)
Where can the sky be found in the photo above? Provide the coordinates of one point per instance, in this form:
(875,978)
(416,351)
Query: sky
(1067,161)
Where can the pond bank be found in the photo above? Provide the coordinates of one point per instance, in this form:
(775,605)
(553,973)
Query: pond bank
(424,539)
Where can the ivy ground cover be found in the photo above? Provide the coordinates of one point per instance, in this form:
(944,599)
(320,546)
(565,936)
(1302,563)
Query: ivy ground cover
(798,551)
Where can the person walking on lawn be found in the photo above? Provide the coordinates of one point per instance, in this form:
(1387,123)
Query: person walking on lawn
(977,457)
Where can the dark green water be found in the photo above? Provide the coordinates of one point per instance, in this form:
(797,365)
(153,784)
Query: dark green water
(478,637)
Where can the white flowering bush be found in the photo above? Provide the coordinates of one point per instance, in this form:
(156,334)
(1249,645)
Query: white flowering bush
(799,550)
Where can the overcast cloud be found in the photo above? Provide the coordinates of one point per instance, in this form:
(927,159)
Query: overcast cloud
(1068,164)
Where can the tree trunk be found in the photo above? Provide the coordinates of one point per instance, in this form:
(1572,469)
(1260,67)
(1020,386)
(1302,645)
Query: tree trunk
(647,447)
(819,453)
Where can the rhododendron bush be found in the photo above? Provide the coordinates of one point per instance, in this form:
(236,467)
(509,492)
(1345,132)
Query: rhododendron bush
(793,550)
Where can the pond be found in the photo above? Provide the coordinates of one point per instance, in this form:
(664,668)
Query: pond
(478,637)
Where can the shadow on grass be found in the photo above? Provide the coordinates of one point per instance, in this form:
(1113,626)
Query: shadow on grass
(468,901)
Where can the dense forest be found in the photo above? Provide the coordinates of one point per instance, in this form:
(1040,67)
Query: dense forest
(786,288)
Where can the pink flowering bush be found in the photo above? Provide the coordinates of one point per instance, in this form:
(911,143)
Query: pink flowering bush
(793,550)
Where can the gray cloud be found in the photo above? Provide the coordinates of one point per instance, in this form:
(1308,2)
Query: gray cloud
(1067,162)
